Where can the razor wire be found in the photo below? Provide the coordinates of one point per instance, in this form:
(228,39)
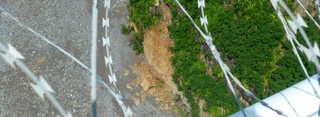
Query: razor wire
(308,13)
(215,53)
(108,62)
(7,14)
(292,39)
(204,22)
(41,86)
(312,52)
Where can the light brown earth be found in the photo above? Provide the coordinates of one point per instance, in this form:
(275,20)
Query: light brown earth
(306,4)
(155,74)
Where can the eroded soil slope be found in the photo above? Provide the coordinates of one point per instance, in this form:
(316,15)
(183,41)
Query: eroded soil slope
(155,74)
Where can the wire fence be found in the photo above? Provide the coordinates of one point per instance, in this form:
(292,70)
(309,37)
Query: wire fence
(311,52)
(108,62)
(41,87)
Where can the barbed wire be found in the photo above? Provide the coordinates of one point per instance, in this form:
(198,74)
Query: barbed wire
(41,87)
(292,39)
(305,10)
(204,22)
(7,14)
(126,110)
(215,53)
(108,62)
(312,52)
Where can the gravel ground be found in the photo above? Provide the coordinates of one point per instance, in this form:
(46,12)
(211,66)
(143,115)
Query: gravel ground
(68,24)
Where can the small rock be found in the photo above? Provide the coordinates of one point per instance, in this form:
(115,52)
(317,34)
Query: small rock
(142,99)
(132,98)
(137,102)
(167,107)
(129,87)
(127,72)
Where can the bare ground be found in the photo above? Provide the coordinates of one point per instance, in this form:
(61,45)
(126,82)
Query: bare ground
(155,74)
(306,4)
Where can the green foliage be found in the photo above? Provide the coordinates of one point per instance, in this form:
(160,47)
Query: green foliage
(126,29)
(140,13)
(170,2)
(137,43)
(143,17)
(250,34)
(177,98)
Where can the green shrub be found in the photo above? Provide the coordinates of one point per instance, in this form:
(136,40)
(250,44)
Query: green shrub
(137,43)
(126,29)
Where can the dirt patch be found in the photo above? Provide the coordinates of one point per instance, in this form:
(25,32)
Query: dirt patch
(306,4)
(201,104)
(242,101)
(155,75)
(152,84)
(156,48)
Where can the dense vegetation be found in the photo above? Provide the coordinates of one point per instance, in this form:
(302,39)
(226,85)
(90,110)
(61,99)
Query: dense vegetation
(250,36)
(144,15)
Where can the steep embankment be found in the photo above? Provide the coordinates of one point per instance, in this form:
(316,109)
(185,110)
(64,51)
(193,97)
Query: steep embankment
(251,40)
(154,75)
